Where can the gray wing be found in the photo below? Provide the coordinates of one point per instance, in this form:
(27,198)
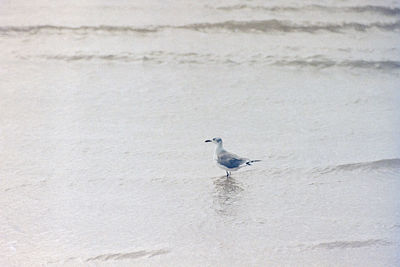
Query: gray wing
(230,160)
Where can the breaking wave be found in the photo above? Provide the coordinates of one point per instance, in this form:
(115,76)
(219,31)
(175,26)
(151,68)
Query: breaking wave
(380,10)
(326,63)
(79,30)
(261,26)
(287,26)
(160,57)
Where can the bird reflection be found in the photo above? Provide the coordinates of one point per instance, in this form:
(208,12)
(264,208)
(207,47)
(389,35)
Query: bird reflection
(227,194)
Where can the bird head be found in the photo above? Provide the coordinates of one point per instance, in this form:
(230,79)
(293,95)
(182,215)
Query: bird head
(215,140)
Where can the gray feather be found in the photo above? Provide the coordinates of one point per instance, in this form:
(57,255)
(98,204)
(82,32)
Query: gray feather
(230,160)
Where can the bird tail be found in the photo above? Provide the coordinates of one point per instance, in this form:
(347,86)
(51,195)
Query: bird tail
(251,161)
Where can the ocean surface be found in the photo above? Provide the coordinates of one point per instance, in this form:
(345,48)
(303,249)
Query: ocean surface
(105,106)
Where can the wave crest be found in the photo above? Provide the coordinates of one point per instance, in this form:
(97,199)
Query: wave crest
(81,29)
(159,57)
(261,26)
(326,63)
(287,26)
(381,10)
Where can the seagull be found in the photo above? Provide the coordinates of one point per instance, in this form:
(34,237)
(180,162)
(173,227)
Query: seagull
(226,160)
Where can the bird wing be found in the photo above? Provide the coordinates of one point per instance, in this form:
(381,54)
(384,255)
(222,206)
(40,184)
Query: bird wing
(230,160)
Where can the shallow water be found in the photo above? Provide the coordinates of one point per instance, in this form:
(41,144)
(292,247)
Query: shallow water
(104,109)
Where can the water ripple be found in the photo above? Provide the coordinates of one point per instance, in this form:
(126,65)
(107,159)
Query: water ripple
(130,255)
(351,244)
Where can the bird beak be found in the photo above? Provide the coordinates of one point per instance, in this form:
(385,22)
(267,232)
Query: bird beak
(207,141)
